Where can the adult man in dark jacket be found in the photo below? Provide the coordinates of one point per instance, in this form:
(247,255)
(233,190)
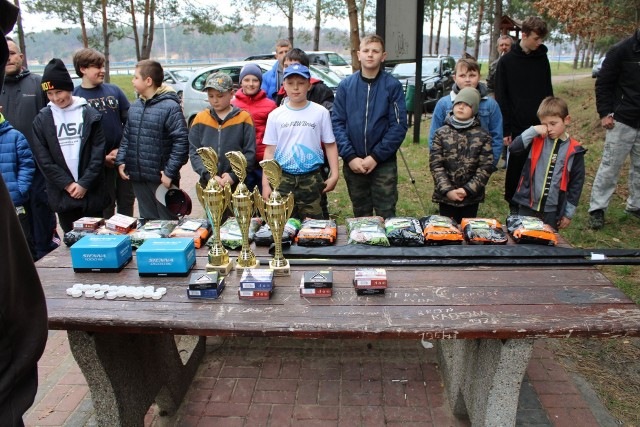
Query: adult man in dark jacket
(23,311)
(618,105)
(22,99)
(523,80)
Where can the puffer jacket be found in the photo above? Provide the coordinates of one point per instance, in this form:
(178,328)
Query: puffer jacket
(47,152)
(618,84)
(234,133)
(369,119)
(259,106)
(16,163)
(155,138)
(461,158)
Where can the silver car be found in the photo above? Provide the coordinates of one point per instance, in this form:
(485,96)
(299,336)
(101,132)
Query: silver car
(195,100)
(176,79)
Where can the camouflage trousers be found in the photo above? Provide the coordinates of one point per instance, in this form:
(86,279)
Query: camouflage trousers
(307,190)
(376,191)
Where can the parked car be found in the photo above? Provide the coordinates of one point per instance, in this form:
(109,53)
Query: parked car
(437,78)
(330,59)
(261,57)
(595,71)
(176,79)
(195,97)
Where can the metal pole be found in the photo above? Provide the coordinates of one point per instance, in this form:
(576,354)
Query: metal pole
(413,181)
(417,97)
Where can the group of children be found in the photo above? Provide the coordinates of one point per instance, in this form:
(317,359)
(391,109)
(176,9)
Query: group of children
(74,151)
(466,141)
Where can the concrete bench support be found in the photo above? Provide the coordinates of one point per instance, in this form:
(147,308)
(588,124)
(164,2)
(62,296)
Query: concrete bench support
(126,373)
(483,378)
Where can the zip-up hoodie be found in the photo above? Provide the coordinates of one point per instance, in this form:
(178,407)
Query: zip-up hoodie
(369,117)
(568,174)
(234,133)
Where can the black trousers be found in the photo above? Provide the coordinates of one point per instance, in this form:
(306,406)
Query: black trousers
(457,213)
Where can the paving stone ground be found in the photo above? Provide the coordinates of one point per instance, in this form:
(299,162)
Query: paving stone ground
(291,382)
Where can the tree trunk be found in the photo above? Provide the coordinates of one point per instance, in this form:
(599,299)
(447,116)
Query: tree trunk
(354,35)
(136,37)
(105,36)
(577,46)
(495,32)
(465,45)
(584,52)
(449,28)
(476,49)
(20,31)
(431,17)
(83,24)
(363,5)
(148,28)
(290,22)
(440,16)
(316,30)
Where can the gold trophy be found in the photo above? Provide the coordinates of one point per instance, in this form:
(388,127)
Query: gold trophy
(243,208)
(214,199)
(276,211)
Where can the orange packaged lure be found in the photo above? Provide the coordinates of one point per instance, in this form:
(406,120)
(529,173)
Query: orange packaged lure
(317,232)
(440,230)
(529,229)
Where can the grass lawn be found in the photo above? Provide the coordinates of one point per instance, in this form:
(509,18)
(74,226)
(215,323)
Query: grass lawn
(611,365)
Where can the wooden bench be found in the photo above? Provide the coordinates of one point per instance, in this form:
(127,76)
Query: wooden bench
(483,320)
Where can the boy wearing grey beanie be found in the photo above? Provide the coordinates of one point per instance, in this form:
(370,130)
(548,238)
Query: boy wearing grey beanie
(461,159)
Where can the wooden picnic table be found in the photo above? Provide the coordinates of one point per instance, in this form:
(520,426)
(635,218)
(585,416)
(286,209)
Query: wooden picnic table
(483,321)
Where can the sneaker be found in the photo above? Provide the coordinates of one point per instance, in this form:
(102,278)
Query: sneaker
(634,212)
(596,219)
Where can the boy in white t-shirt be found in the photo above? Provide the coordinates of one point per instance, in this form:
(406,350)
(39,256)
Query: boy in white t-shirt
(294,137)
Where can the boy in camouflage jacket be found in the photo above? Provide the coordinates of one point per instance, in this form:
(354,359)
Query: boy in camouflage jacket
(461,159)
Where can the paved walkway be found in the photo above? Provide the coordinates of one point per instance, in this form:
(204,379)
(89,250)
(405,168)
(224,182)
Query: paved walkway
(289,382)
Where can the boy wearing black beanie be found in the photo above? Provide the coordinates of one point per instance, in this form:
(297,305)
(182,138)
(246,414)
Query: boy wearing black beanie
(69,148)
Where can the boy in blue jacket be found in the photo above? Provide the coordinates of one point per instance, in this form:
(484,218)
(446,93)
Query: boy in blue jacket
(467,74)
(17,167)
(369,119)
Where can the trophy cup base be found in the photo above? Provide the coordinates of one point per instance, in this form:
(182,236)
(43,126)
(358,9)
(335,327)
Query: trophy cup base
(242,267)
(222,269)
(282,270)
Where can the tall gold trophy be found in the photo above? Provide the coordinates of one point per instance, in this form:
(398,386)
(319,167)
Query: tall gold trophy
(243,208)
(276,211)
(214,199)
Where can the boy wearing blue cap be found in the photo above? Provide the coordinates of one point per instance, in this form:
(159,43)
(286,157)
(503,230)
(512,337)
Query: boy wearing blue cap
(294,137)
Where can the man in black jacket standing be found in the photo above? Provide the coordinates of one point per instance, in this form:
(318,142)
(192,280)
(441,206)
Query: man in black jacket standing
(22,98)
(618,105)
(23,311)
(523,80)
